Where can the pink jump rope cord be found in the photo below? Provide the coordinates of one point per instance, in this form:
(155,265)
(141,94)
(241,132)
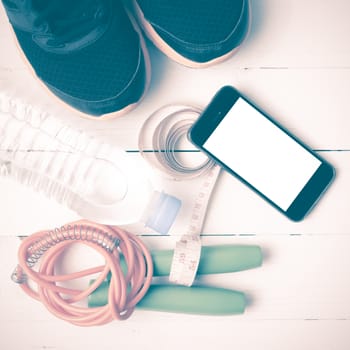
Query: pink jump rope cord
(125,291)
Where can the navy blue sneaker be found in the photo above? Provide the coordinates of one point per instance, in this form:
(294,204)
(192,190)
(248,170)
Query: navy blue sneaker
(193,32)
(89,53)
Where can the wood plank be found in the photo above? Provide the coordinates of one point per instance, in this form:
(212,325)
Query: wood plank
(302,277)
(147,334)
(293,33)
(299,296)
(296,106)
(234,208)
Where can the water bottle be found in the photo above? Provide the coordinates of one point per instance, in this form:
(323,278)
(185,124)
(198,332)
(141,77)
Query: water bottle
(99,181)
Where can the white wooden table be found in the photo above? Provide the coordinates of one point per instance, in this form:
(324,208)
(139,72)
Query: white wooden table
(296,66)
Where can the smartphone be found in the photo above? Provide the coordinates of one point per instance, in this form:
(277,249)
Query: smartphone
(253,147)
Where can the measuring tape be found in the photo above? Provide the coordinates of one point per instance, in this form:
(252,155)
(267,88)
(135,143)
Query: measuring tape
(159,141)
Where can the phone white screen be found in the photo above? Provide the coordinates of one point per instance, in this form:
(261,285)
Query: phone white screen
(262,154)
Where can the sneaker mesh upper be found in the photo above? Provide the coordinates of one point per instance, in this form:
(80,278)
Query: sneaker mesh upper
(108,68)
(200,30)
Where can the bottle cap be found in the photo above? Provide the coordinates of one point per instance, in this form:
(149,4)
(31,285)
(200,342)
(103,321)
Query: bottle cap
(161,212)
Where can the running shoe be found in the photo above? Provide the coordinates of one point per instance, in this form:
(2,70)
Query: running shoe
(192,32)
(89,53)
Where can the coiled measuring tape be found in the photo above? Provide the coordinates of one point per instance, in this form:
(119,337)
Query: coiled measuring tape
(159,142)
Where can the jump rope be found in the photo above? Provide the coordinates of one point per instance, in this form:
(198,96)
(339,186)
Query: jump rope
(129,265)
(125,290)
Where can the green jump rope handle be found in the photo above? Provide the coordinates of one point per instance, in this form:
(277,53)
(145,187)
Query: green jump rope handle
(180,299)
(195,299)
(214,259)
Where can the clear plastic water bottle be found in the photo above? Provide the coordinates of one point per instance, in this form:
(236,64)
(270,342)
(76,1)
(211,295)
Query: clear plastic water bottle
(99,181)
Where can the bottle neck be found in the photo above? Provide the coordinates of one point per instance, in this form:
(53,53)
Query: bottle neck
(161,212)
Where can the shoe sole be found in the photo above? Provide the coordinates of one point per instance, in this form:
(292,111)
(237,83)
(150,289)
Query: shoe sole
(174,55)
(106,116)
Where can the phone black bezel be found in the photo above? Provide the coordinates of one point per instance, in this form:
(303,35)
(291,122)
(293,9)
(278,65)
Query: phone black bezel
(211,117)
